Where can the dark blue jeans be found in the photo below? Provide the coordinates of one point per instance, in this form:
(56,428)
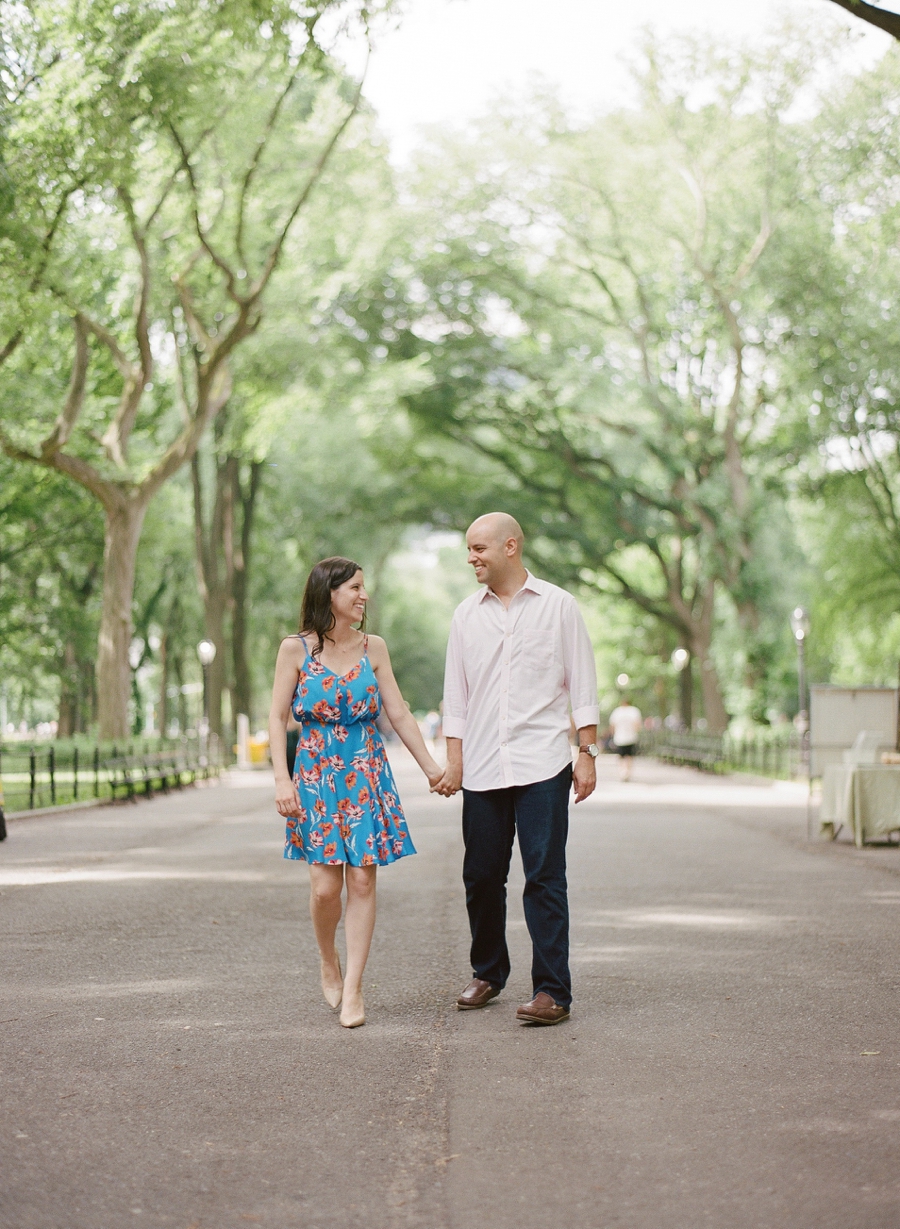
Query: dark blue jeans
(539,814)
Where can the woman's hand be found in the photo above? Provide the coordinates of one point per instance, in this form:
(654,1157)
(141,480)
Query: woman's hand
(286,801)
(434,774)
(450,781)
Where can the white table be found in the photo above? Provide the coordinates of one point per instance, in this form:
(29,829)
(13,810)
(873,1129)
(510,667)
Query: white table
(866,797)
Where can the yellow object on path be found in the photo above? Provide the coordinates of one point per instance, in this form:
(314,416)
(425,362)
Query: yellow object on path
(259,750)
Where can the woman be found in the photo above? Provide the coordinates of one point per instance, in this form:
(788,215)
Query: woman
(342,811)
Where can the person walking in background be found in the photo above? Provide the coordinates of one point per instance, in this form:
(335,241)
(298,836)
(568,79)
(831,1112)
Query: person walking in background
(519,655)
(625,723)
(340,802)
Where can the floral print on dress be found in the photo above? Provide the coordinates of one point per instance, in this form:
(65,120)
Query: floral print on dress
(351,812)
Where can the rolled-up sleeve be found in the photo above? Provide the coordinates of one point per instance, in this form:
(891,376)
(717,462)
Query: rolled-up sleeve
(580,667)
(456,691)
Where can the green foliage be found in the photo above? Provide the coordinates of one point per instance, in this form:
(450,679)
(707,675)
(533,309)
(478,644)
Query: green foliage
(665,339)
(51,547)
(611,348)
(841,434)
(156,161)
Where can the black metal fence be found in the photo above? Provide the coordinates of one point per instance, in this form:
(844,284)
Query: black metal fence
(765,753)
(68,770)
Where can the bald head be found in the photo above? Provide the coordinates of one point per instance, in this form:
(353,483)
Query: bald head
(498,527)
(495,544)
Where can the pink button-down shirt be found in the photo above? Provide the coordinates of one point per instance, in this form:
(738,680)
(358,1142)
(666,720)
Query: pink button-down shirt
(512,673)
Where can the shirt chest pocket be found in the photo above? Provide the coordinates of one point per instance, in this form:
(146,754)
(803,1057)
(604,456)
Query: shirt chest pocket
(537,659)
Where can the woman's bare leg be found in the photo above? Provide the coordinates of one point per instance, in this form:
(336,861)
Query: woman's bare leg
(359,924)
(325,884)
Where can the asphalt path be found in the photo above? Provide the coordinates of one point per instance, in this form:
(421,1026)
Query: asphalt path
(732,1059)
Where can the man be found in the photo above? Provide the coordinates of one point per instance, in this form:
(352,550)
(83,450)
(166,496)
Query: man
(519,655)
(625,723)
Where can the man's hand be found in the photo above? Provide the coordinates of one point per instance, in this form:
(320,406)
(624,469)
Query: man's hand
(450,782)
(585,775)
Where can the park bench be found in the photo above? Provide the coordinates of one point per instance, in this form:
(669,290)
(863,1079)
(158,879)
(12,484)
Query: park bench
(161,769)
(706,754)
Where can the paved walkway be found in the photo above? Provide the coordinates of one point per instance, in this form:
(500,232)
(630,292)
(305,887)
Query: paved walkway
(732,1061)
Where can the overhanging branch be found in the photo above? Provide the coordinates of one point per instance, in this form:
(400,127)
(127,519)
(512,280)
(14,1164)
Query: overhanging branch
(884,20)
(315,174)
(62,428)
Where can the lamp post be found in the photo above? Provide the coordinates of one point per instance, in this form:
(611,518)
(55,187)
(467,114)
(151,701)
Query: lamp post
(800,628)
(206,651)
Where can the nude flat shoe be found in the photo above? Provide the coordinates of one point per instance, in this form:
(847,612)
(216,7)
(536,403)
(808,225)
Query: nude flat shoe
(334,995)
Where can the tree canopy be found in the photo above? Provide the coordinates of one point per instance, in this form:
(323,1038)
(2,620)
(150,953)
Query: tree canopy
(156,162)
(234,339)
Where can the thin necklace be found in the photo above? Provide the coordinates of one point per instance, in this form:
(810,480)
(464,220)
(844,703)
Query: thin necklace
(346,647)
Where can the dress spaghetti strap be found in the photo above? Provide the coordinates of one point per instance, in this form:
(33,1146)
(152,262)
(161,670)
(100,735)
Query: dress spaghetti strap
(365,643)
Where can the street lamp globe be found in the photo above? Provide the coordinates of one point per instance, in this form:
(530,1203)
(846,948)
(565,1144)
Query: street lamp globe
(680,658)
(206,651)
(799,623)
(622,680)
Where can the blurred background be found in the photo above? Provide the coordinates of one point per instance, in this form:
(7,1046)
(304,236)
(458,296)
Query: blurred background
(629,276)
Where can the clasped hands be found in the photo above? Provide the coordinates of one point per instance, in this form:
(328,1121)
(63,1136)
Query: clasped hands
(448,783)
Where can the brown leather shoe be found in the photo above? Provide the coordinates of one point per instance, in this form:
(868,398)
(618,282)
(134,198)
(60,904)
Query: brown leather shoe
(541,1010)
(478,993)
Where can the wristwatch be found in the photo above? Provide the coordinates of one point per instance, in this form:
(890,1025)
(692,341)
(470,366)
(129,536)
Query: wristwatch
(593,750)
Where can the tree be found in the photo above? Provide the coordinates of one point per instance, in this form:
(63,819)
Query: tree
(844,361)
(300,360)
(148,216)
(223,532)
(595,305)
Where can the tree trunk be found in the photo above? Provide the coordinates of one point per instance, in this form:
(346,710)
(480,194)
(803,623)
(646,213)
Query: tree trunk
(710,688)
(699,635)
(215,607)
(713,705)
(163,721)
(123,532)
(178,672)
(67,717)
(212,576)
(686,693)
(244,498)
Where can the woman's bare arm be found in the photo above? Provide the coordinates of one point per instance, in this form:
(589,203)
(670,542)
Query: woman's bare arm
(398,713)
(287,670)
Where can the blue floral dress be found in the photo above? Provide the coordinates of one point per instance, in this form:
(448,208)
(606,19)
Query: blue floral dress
(351,812)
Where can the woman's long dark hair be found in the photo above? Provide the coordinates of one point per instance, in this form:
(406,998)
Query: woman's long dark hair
(315,609)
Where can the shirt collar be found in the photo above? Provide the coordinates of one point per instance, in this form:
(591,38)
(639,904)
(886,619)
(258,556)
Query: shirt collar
(532,584)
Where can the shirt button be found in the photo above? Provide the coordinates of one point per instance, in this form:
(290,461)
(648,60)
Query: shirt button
(503,744)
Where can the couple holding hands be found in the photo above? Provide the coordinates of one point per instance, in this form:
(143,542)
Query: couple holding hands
(519,659)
